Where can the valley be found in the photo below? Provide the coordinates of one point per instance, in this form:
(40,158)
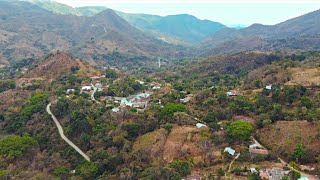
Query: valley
(94,93)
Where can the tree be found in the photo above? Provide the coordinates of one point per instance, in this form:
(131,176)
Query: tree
(14,146)
(182,167)
(171,108)
(239,131)
(285,178)
(88,170)
(220,172)
(299,153)
(212,121)
(294,175)
(61,172)
(111,73)
(1,118)
(306,102)
(133,129)
(241,105)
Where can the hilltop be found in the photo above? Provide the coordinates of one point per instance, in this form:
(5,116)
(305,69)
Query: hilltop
(57,64)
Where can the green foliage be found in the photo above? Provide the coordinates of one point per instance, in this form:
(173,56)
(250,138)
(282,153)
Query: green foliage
(14,146)
(220,172)
(88,170)
(60,171)
(172,108)
(254,176)
(133,129)
(299,153)
(167,127)
(111,73)
(239,131)
(212,121)
(37,104)
(6,85)
(306,102)
(294,175)
(182,167)
(78,122)
(285,178)
(241,106)
(3,173)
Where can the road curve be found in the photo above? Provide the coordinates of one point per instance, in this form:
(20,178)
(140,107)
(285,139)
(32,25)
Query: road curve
(63,136)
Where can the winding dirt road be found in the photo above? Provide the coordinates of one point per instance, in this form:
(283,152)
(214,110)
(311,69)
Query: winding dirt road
(63,136)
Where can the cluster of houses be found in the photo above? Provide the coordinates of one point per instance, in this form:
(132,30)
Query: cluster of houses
(139,101)
(270,174)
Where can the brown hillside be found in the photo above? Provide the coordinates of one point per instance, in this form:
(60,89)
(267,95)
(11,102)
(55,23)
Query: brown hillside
(58,64)
(186,142)
(283,136)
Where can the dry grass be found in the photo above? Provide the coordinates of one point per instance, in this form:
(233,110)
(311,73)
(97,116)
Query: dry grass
(305,77)
(285,135)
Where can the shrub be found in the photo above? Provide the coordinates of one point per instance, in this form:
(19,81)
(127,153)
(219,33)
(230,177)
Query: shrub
(239,131)
(172,108)
(14,146)
(182,167)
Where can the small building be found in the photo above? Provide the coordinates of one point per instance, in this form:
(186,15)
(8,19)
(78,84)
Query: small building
(95,77)
(70,91)
(275,173)
(303,178)
(187,98)
(253,170)
(234,93)
(255,152)
(98,86)
(140,82)
(125,102)
(115,109)
(156,87)
(268,87)
(86,88)
(229,150)
(254,146)
(264,175)
(200,125)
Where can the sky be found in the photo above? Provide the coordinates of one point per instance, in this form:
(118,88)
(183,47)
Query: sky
(228,12)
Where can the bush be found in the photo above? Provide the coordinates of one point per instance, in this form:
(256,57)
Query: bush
(182,167)
(14,146)
(60,171)
(88,170)
(172,108)
(239,131)
(167,127)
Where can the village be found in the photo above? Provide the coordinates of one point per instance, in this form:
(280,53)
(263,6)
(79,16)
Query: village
(140,101)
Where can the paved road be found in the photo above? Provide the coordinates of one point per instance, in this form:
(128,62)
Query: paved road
(93,92)
(63,136)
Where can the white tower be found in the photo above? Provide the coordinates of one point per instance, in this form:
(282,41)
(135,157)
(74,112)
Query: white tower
(159,62)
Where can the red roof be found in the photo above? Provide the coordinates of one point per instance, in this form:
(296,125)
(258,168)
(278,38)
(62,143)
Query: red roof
(95,77)
(258,151)
(264,176)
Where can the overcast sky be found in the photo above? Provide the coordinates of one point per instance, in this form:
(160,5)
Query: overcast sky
(229,12)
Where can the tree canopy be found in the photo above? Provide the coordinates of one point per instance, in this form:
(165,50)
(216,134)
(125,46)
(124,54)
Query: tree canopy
(14,146)
(239,131)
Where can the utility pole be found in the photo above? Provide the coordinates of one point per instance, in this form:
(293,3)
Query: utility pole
(159,62)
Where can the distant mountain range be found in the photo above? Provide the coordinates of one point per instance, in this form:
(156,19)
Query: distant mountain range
(27,30)
(98,35)
(183,27)
(298,33)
